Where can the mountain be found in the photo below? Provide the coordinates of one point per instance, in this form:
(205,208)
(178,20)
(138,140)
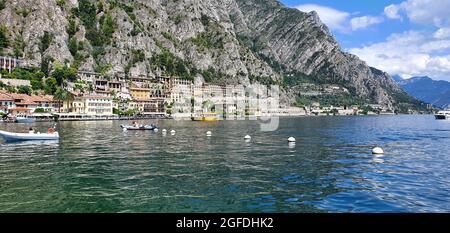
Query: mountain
(428,90)
(397,78)
(226,42)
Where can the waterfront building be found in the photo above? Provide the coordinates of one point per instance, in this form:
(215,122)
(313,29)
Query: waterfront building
(31,103)
(107,87)
(181,94)
(152,106)
(6,102)
(139,93)
(235,100)
(23,101)
(19,111)
(46,102)
(209,96)
(90,105)
(98,105)
(157,90)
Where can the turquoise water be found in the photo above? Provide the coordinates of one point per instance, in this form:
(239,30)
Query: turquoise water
(98,168)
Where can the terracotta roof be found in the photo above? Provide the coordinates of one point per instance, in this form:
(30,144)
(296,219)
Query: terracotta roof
(19,96)
(36,98)
(19,109)
(4,97)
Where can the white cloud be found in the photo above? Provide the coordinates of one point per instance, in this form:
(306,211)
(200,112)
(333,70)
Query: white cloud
(411,53)
(442,33)
(392,11)
(340,20)
(364,22)
(333,18)
(428,12)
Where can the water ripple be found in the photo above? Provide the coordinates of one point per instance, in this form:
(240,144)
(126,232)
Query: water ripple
(98,168)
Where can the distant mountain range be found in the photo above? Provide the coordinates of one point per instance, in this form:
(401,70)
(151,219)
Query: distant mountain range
(426,89)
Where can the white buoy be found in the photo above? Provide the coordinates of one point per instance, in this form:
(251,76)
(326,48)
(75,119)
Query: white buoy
(155,130)
(247,137)
(173,132)
(377,151)
(164,131)
(291,139)
(209,133)
(291,145)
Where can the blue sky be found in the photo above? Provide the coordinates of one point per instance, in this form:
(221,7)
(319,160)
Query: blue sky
(405,37)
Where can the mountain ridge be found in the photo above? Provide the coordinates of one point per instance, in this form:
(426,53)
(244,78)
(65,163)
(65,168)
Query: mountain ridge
(226,42)
(436,92)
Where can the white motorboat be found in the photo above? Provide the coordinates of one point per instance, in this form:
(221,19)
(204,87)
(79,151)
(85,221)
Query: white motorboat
(442,115)
(139,127)
(25,119)
(8,136)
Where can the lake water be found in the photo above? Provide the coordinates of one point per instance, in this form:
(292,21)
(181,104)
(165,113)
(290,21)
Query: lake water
(96,167)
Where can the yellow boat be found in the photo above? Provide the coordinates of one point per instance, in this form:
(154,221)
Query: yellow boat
(206,117)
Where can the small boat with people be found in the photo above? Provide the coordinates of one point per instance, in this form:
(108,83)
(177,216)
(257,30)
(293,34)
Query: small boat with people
(31,135)
(208,117)
(442,115)
(136,126)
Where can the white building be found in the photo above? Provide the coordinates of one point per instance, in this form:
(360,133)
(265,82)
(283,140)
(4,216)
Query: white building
(9,63)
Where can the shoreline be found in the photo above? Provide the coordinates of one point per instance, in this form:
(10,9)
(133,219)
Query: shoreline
(224,119)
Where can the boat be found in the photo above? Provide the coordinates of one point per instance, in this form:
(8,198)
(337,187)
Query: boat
(139,127)
(9,136)
(206,117)
(25,119)
(442,115)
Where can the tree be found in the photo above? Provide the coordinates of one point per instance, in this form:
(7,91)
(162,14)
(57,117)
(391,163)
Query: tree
(59,96)
(39,110)
(68,97)
(45,65)
(36,84)
(24,90)
(64,73)
(2,4)
(72,27)
(73,46)
(51,86)
(46,40)
(4,41)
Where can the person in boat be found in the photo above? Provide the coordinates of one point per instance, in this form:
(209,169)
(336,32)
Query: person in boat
(51,130)
(31,131)
(135,124)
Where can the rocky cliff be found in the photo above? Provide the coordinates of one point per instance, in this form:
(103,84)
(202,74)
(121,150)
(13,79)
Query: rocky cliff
(226,41)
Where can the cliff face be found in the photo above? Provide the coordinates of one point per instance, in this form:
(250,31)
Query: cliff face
(226,41)
(302,43)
